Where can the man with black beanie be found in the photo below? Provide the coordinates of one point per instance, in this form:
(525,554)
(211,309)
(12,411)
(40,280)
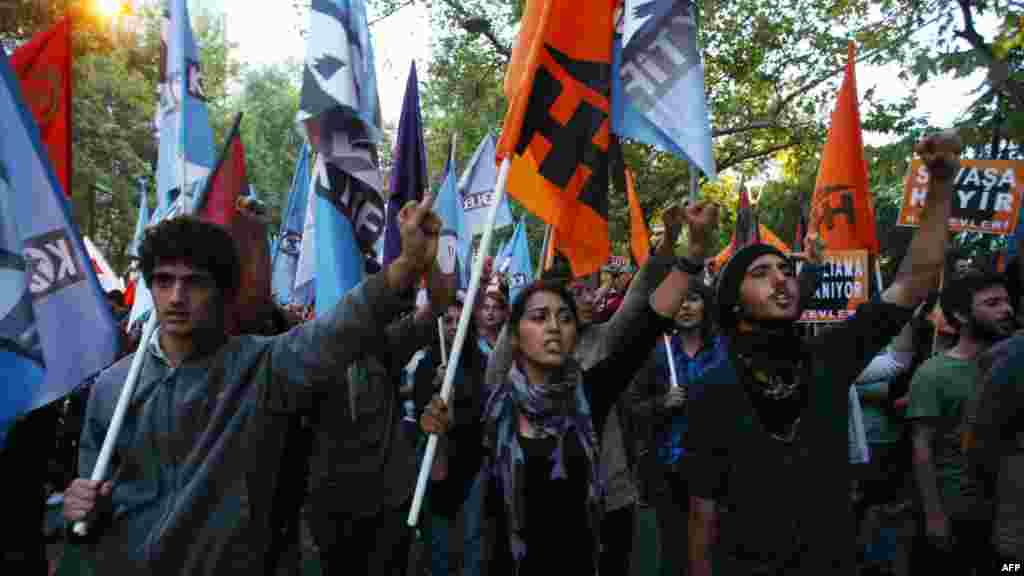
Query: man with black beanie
(768,435)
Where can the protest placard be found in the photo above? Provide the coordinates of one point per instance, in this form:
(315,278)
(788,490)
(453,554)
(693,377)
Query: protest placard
(986,196)
(842,286)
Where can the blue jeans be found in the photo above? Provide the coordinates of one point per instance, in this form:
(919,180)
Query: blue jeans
(472,539)
(472,520)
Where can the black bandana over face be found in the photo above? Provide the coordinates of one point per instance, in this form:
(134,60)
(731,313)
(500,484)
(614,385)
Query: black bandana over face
(773,369)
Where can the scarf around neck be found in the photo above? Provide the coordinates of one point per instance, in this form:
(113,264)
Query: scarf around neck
(774,370)
(555,410)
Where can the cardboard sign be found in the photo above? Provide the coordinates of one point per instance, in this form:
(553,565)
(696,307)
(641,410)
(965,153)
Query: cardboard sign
(986,196)
(842,286)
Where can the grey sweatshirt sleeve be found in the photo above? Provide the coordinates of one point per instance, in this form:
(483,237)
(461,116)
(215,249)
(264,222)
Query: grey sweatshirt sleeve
(404,337)
(605,337)
(319,351)
(500,361)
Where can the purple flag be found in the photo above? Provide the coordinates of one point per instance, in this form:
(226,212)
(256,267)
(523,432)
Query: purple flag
(409,170)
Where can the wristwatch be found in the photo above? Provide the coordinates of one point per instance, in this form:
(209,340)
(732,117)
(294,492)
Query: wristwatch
(689,266)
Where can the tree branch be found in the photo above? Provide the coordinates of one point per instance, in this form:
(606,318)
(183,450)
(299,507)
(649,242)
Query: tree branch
(755,125)
(998,70)
(479,25)
(730,162)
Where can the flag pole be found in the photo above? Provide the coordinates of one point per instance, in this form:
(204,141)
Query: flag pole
(460,338)
(187,206)
(673,378)
(542,261)
(878,274)
(99,471)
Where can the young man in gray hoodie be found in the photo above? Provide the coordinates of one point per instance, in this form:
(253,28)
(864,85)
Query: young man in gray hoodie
(197,479)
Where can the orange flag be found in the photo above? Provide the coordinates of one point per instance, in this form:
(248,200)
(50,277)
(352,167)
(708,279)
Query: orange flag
(841,209)
(556,129)
(43,68)
(765,236)
(639,237)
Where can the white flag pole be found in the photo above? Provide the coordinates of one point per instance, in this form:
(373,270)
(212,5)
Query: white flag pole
(673,378)
(187,205)
(99,471)
(542,261)
(460,338)
(440,337)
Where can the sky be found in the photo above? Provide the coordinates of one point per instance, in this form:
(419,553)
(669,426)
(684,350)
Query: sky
(270,33)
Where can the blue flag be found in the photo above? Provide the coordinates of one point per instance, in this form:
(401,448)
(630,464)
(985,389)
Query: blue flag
(182,115)
(514,261)
(186,140)
(409,171)
(340,110)
(476,188)
(285,258)
(141,222)
(658,81)
(339,260)
(450,247)
(339,105)
(56,328)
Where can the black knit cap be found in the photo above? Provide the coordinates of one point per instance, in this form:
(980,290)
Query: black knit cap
(731,278)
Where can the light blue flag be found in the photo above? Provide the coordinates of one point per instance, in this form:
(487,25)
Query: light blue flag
(339,260)
(185,134)
(285,259)
(339,105)
(182,115)
(141,222)
(514,261)
(56,329)
(658,81)
(340,110)
(451,249)
(476,190)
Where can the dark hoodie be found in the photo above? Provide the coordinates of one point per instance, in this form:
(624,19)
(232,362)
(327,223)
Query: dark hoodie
(779,467)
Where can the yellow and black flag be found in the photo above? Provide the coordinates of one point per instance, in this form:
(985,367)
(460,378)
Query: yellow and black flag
(556,129)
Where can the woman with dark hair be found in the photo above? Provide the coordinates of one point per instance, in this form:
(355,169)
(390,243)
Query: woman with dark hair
(660,408)
(541,416)
(458,488)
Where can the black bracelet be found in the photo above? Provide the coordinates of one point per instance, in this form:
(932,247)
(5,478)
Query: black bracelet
(689,266)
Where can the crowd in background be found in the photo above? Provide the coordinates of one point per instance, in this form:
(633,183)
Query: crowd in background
(650,390)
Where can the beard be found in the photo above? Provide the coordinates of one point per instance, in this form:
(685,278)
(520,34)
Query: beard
(990,332)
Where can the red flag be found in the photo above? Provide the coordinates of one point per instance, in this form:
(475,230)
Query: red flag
(226,202)
(43,68)
(747,231)
(842,212)
(129,294)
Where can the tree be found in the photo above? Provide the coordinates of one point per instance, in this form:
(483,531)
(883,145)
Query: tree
(767,92)
(269,100)
(115,70)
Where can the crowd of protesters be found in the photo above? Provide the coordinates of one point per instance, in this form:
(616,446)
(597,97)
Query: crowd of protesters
(576,405)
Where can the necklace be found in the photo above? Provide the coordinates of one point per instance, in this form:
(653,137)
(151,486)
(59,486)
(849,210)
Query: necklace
(788,438)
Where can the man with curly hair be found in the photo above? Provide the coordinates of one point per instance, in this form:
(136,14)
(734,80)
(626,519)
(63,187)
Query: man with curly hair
(197,484)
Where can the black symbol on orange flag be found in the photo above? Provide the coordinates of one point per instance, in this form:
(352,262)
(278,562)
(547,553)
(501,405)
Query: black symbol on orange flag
(574,144)
(827,212)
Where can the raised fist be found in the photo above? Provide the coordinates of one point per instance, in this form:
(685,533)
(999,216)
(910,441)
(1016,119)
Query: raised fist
(941,153)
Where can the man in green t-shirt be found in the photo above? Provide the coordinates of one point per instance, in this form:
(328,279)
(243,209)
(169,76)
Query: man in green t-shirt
(978,305)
